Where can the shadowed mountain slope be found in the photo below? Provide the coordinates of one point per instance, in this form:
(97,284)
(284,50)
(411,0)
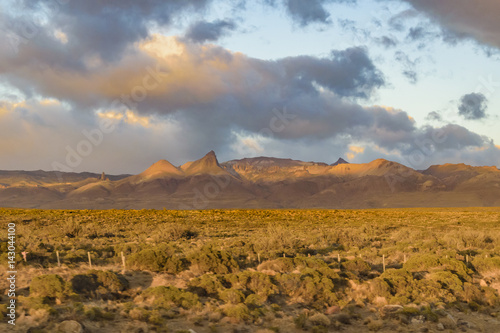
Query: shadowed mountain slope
(260,182)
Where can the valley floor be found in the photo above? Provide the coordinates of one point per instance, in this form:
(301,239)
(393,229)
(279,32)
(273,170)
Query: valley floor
(394,270)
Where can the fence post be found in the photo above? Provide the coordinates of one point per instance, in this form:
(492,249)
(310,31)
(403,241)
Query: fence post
(383,261)
(90,260)
(58,260)
(123,261)
(258,257)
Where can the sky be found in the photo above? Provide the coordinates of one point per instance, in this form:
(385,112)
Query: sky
(115,86)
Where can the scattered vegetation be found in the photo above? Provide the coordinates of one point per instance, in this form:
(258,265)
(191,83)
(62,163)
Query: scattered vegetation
(274,270)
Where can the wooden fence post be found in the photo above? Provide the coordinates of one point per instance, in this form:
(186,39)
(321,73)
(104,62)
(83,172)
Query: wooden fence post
(123,261)
(383,261)
(90,260)
(58,260)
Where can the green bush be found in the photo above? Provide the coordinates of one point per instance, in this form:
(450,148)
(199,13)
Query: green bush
(401,285)
(36,303)
(209,284)
(157,261)
(232,296)
(111,281)
(311,287)
(448,281)
(254,282)
(288,265)
(166,297)
(50,285)
(209,259)
(357,266)
(486,265)
(432,262)
(254,300)
(105,281)
(96,314)
(238,311)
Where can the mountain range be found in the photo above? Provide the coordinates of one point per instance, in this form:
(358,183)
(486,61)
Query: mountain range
(260,182)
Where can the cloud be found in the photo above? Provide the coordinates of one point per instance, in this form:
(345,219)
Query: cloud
(203,31)
(465,19)
(91,27)
(434,116)
(473,106)
(190,76)
(409,66)
(308,12)
(205,97)
(387,41)
(36,133)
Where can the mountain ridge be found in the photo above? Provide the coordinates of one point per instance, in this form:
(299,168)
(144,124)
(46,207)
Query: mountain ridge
(258,182)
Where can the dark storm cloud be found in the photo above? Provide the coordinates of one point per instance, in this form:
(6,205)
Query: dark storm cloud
(348,73)
(108,28)
(473,106)
(205,91)
(464,18)
(203,31)
(204,76)
(211,93)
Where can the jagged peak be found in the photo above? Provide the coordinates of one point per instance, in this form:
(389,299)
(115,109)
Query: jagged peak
(340,161)
(208,164)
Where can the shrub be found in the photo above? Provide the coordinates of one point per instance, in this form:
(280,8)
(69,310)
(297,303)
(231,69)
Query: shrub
(254,300)
(36,303)
(96,313)
(238,311)
(319,319)
(448,281)
(431,262)
(281,265)
(255,282)
(400,283)
(104,281)
(358,266)
(300,321)
(157,261)
(210,260)
(288,265)
(232,296)
(207,285)
(50,285)
(310,287)
(165,297)
(111,281)
(486,265)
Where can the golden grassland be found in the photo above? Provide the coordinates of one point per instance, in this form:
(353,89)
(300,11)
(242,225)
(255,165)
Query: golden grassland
(257,270)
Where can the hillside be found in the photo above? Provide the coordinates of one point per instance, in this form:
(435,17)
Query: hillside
(260,182)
